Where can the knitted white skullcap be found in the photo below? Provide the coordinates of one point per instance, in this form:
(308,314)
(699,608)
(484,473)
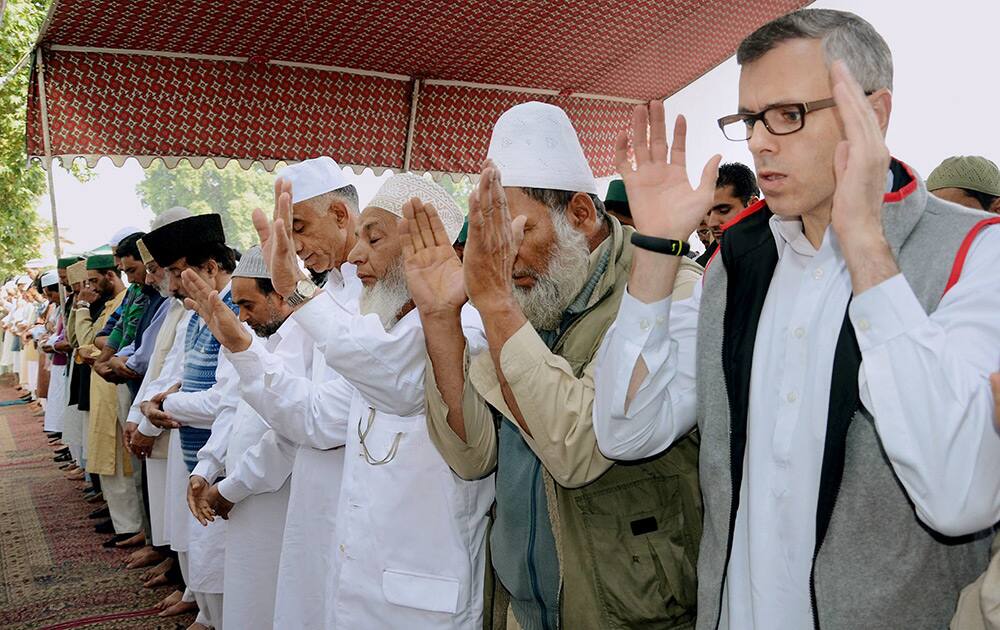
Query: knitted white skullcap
(402,187)
(252,265)
(312,178)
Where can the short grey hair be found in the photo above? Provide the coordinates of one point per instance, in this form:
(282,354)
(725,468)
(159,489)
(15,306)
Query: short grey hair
(844,36)
(558,200)
(347,194)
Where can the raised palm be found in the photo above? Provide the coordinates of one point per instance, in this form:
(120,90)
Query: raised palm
(660,196)
(433,271)
(222,321)
(276,240)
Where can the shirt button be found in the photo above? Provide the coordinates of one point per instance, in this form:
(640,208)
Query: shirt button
(800,332)
(343,549)
(660,320)
(864,324)
(792,397)
(818,273)
(644,324)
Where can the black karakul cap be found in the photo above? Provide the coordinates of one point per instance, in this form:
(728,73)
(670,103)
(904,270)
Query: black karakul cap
(173,241)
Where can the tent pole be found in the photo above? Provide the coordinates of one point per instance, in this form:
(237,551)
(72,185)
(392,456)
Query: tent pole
(48,162)
(414,101)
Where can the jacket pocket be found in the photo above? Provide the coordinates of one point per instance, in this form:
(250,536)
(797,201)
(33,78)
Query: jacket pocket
(643,556)
(421,591)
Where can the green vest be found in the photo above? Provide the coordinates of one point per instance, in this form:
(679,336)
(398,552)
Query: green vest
(627,542)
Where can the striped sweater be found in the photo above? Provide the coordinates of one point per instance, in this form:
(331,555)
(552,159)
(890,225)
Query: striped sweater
(201,356)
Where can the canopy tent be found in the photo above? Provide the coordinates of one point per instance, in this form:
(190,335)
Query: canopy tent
(411,84)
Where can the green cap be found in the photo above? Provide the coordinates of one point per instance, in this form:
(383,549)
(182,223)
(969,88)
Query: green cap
(64,263)
(463,235)
(970,172)
(101,262)
(616,200)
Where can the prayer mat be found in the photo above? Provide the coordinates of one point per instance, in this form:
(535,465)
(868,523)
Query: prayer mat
(54,573)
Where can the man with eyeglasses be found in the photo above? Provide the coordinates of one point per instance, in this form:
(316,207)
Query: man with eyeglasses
(409,534)
(849,466)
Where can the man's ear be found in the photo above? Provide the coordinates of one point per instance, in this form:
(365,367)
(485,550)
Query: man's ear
(581,212)
(754,199)
(882,104)
(339,210)
(995,206)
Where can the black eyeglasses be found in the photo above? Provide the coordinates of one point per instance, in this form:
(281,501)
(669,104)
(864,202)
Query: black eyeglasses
(780,120)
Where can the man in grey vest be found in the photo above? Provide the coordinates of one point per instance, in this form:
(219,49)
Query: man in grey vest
(836,360)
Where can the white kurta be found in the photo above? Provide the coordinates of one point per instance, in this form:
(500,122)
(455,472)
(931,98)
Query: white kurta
(922,377)
(258,466)
(307,547)
(410,535)
(55,405)
(164,494)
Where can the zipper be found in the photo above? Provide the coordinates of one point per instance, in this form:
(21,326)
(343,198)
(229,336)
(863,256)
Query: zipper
(536,590)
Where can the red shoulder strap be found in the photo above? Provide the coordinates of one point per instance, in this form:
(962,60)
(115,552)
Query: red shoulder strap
(963,251)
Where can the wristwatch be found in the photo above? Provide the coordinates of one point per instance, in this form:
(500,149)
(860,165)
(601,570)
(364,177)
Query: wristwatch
(305,289)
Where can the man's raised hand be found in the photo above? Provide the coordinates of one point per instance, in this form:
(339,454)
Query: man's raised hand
(222,321)
(433,271)
(660,196)
(276,242)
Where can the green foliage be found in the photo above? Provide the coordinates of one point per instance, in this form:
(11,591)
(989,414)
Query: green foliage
(20,186)
(230,192)
(460,192)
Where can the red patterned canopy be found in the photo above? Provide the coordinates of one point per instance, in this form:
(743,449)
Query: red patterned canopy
(403,84)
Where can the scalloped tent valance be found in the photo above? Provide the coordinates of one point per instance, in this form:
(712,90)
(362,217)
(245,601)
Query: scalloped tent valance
(415,87)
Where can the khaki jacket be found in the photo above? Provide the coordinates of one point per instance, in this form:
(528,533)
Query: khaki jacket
(611,578)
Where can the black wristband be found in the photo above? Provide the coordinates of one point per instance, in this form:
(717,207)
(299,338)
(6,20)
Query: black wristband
(666,246)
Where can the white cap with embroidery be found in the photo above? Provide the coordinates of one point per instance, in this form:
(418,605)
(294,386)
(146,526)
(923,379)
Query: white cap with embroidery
(535,146)
(402,187)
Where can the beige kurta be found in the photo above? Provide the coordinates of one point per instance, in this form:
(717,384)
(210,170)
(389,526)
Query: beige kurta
(104,444)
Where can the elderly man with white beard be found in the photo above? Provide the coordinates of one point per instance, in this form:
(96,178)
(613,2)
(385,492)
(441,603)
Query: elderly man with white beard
(577,541)
(410,535)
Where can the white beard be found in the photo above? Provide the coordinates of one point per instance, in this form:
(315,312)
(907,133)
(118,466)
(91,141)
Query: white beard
(544,303)
(387,297)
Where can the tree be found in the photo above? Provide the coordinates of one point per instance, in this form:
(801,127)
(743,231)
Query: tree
(20,185)
(230,192)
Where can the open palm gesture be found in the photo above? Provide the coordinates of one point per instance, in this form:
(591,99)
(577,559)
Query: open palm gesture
(222,321)
(276,240)
(433,271)
(661,199)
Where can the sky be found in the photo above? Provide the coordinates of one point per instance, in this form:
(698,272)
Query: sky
(946,101)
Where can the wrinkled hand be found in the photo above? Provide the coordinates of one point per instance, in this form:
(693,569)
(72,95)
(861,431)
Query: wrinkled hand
(153,410)
(198,501)
(223,322)
(219,504)
(276,240)
(860,163)
(494,240)
(660,197)
(141,445)
(434,273)
(103,369)
(117,365)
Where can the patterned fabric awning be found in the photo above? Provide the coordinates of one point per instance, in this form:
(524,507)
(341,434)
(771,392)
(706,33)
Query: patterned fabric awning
(407,84)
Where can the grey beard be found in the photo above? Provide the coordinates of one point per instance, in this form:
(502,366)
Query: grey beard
(545,303)
(387,297)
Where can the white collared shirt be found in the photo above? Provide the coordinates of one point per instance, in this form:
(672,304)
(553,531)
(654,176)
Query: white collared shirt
(922,377)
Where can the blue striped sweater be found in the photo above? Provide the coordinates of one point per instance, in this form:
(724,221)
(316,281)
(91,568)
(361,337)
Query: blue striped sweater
(201,357)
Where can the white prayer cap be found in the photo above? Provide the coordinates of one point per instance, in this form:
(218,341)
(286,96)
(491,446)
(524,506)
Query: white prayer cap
(252,265)
(23,281)
(535,146)
(121,234)
(312,178)
(169,216)
(402,187)
(50,278)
